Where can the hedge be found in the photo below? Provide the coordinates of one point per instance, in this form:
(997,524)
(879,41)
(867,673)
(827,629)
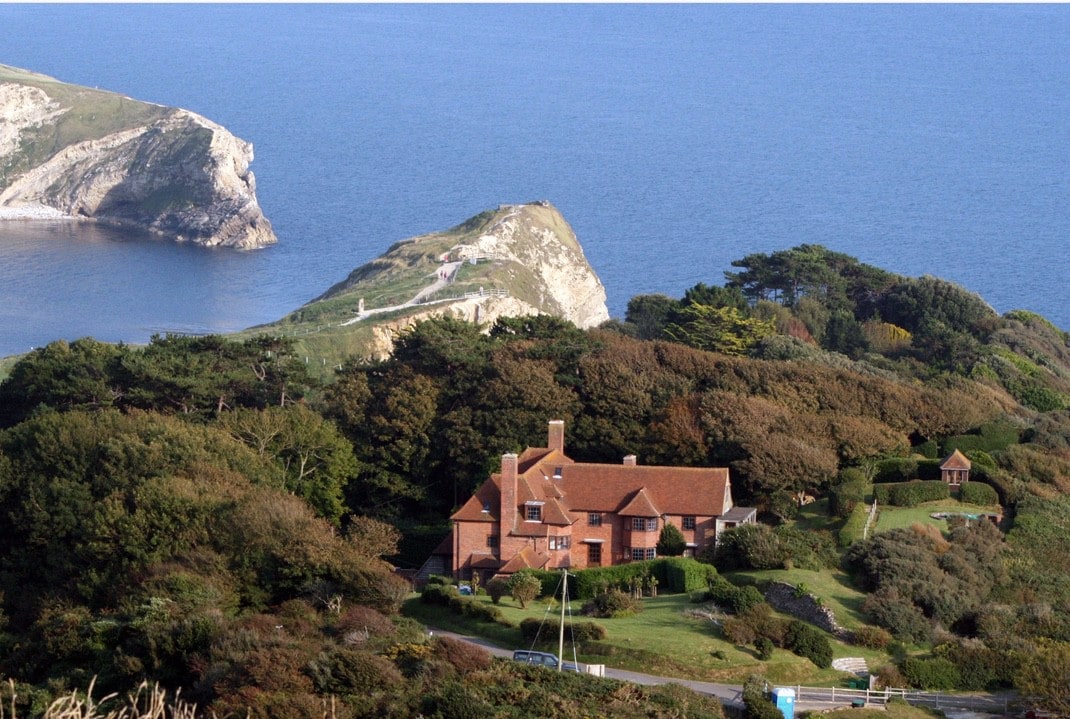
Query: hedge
(978,493)
(993,437)
(733,599)
(910,494)
(675,575)
(852,529)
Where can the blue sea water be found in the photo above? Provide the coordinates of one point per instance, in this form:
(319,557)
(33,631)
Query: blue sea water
(924,139)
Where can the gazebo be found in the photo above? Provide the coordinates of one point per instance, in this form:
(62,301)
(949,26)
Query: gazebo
(955,469)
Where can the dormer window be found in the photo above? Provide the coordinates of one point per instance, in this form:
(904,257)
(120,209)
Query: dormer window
(486,507)
(533,511)
(557,472)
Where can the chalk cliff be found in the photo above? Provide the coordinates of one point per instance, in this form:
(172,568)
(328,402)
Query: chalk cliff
(80,152)
(514,261)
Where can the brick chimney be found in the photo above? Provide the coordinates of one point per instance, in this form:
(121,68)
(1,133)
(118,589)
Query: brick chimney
(508,508)
(629,460)
(556,435)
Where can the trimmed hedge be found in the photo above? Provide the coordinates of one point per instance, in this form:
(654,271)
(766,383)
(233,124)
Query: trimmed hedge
(675,575)
(978,493)
(852,529)
(910,494)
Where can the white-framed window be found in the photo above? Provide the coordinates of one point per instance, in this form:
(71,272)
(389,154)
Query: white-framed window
(644,524)
(560,542)
(533,513)
(594,519)
(640,553)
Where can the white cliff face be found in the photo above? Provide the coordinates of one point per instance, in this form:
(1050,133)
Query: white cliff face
(178,175)
(533,265)
(538,239)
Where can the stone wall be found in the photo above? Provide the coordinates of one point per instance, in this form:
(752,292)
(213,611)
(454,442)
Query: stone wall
(786,598)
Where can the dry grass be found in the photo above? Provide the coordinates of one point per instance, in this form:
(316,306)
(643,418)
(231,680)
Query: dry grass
(145,703)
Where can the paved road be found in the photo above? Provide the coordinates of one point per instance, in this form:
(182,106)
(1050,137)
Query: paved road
(729,694)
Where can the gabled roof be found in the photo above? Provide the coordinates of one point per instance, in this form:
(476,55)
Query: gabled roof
(526,558)
(639,505)
(956,460)
(669,490)
(488,495)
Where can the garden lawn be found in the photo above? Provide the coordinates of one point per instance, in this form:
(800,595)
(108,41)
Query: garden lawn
(832,586)
(895,517)
(670,637)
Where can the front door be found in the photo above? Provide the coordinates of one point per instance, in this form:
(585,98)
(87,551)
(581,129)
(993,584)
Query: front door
(594,555)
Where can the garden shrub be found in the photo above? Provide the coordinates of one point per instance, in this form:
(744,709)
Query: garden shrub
(548,630)
(764,648)
(978,493)
(935,674)
(871,637)
(749,546)
(524,586)
(807,549)
(497,588)
(733,599)
(439,594)
(810,642)
(613,603)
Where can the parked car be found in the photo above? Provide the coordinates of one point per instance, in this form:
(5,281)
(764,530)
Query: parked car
(543,659)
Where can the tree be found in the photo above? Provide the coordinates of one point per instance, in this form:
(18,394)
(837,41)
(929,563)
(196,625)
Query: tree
(317,459)
(671,542)
(649,314)
(1044,675)
(524,586)
(372,538)
(718,329)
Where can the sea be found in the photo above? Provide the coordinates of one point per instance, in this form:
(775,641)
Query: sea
(923,139)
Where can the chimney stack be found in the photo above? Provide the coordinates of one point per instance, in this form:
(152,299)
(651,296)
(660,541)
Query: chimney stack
(629,460)
(556,435)
(507,516)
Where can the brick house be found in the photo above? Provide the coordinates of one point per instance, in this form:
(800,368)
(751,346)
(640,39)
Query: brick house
(544,510)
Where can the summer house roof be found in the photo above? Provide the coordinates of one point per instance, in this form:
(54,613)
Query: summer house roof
(956,460)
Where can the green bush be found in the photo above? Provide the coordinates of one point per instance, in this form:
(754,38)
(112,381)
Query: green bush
(524,586)
(756,700)
(764,647)
(749,546)
(936,674)
(852,529)
(978,493)
(439,594)
(810,642)
(352,671)
(911,494)
(733,599)
(849,491)
(871,637)
(896,469)
(547,631)
(497,588)
(613,603)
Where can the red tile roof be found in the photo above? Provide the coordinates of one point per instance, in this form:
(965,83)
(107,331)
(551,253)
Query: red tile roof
(956,460)
(639,505)
(670,490)
(526,558)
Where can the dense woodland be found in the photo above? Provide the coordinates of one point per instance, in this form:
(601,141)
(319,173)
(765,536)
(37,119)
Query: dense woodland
(203,513)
